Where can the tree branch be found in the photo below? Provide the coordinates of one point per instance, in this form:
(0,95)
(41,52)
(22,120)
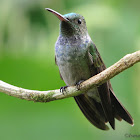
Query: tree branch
(46,96)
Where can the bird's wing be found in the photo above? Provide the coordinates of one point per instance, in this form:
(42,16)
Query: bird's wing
(111,105)
(96,66)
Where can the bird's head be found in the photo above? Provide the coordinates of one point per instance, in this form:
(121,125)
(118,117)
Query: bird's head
(71,24)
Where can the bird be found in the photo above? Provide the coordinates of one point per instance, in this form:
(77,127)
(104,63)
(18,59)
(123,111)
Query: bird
(78,59)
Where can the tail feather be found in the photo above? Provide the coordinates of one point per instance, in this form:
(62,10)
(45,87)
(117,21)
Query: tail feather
(119,109)
(94,111)
(88,107)
(104,94)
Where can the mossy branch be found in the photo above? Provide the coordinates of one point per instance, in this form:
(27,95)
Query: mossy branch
(46,96)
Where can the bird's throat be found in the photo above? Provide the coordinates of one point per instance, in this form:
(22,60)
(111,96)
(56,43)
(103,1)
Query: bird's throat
(66,29)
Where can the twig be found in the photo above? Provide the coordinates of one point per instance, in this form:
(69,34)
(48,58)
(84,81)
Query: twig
(46,96)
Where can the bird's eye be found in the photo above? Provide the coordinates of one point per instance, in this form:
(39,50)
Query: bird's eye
(79,21)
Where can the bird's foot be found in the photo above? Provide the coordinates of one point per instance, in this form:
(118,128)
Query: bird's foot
(63,89)
(78,85)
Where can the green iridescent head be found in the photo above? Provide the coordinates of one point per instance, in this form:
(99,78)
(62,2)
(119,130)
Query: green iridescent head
(71,24)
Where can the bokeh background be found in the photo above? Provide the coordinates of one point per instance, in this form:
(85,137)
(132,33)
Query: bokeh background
(27,37)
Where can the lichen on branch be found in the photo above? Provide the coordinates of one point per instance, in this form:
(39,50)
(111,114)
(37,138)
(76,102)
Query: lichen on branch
(46,96)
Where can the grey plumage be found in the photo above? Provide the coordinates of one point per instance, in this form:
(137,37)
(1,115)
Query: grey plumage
(78,59)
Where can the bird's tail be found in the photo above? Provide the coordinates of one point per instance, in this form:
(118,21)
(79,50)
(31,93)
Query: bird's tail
(119,110)
(94,112)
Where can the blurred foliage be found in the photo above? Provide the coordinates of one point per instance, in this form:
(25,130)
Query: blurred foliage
(27,37)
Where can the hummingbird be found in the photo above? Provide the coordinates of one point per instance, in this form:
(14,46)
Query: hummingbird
(78,59)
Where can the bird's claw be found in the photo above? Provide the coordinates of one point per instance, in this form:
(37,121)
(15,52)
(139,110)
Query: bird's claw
(78,85)
(63,89)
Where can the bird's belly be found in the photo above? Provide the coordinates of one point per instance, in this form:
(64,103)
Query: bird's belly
(73,72)
(72,61)
(74,67)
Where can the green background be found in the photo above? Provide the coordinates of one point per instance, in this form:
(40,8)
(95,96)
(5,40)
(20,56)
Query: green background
(27,37)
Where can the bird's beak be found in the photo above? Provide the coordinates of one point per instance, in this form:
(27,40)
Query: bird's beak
(61,17)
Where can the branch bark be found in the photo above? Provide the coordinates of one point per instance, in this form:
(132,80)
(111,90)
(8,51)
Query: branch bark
(46,96)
